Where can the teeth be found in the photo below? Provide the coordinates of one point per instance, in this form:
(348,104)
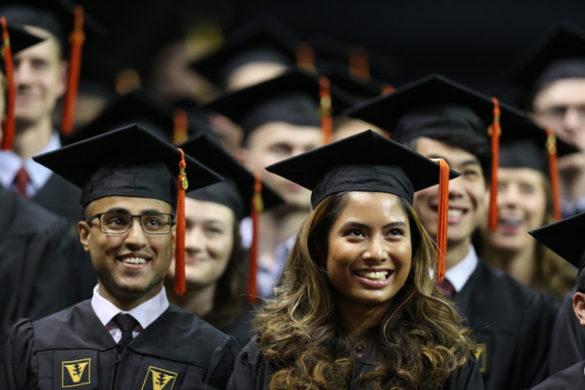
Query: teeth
(380,275)
(510,221)
(455,212)
(135,260)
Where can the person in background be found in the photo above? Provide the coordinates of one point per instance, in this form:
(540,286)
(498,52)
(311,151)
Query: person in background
(214,257)
(512,324)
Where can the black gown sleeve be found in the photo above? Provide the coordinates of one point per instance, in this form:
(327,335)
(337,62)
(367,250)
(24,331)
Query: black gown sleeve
(467,377)
(222,363)
(250,372)
(20,366)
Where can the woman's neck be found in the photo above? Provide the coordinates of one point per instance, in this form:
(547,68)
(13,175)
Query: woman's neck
(197,299)
(356,318)
(520,264)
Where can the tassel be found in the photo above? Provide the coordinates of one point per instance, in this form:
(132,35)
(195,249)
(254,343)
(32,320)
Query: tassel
(494,131)
(77,38)
(256,208)
(359,63)
(551,148)
(326,110)
(387,88)
(306,57)
(443,218)
(182,185)
(8,125)
(180,126)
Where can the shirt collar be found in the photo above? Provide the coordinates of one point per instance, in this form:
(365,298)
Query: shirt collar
(460,273)
(145,313)
(10,163)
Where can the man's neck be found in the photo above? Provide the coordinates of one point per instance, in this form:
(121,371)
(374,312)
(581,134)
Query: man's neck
(456,252)
(32,138)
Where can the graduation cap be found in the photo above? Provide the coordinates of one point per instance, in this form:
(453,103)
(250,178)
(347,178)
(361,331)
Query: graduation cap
(241,191)
(296,97)
(559,54)
(261,40)
(437,106)
(14,39)
(66,22)
(139,106)
(368,162)
(562,238)
(131,161)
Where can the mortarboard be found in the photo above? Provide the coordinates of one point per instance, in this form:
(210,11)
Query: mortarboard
(131,161)
(261,40)
(563,238)
(437,106)
(368,162)
(241,191)
(559,54)
(293,97)
(14,39)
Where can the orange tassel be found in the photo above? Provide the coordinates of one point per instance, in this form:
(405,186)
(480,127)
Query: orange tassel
(256,208)
(77,38)
(326,110)
(551,148)
(181,125)
(306,57)
(182,185)
(8,125)
(387,88)
(443,216)
(494,131)
(359,63)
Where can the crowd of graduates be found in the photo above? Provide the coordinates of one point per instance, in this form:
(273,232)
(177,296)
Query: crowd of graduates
(273,215)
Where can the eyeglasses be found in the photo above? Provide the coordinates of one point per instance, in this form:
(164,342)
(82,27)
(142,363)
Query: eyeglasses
(112,222)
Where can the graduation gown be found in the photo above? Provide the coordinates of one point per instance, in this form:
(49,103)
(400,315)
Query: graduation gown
(60,197)
(512,326)
(572,378)
(252,373)
(43,268)
(73,349)
(568,338)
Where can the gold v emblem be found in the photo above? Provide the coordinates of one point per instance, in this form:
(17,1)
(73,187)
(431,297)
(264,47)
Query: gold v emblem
(159,379)
(481,356)
(75,373)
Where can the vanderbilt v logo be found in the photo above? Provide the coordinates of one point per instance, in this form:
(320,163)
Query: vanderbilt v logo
(481,356)
(76,373)
(159,379)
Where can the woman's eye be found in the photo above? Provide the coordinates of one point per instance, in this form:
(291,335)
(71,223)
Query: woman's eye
(354,233)
(396,232)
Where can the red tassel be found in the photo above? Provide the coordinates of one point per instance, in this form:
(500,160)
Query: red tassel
(443,221)
(494,131)
(8,125)
(387,88)
(181,125)
(359,63)
(77,38)
(326,110)
(182,185)
(551,148)
(306,57)
(256,208)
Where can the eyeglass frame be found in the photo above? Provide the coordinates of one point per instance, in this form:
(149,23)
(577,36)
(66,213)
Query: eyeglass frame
(132,216)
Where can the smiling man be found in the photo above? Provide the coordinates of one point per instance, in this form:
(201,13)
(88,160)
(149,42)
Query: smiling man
(439,118)
(127,334)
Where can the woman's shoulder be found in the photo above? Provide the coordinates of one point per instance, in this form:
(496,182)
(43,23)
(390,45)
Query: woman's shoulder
(250,369)
(466,377)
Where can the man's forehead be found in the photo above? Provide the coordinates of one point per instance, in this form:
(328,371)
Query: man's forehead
(453,154)
(284,132)
(129,203)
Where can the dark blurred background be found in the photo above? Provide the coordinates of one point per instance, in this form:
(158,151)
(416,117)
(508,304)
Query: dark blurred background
(474,42)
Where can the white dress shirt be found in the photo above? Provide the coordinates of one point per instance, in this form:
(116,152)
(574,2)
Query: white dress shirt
(145,313)
(460,273)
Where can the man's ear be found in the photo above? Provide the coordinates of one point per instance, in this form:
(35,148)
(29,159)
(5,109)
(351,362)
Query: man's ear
(84,234)
(579,307)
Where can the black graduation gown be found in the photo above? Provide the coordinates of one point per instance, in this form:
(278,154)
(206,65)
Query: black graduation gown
(60,197)
(512,326)
(43,268)
(72,348)
(242,326)
(252,373)
(568,338)
(572,378)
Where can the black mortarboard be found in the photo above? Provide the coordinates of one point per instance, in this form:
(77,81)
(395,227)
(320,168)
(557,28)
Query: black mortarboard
(261,40)
(292,97)
(139,106)
(20,39)
(237,189)
(559,54)
(366,161)
(130,161)
(564,239)
(54,16)
(356,89)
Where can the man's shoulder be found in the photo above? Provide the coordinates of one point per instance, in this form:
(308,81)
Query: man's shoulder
(570,378)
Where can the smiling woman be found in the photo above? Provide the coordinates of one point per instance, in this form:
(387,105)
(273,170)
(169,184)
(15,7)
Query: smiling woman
(357,307)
